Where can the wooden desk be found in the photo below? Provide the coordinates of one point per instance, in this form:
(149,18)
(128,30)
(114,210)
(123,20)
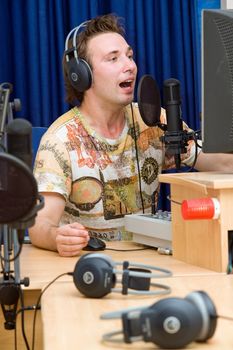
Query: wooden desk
(71,321)
(42,267)
(201,242)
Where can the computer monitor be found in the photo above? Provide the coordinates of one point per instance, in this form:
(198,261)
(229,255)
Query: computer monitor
(217,81)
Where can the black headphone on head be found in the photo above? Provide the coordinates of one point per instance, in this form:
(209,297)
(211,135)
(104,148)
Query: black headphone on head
(78,70)
(95,275)
(170,323)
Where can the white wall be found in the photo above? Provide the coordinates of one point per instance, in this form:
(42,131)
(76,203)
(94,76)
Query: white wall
(226,4)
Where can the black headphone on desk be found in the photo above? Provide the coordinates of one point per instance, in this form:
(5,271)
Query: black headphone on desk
(78,70)
(95,276)
(171,323)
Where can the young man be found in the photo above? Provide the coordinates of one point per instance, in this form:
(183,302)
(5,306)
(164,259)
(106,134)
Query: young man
(99,161)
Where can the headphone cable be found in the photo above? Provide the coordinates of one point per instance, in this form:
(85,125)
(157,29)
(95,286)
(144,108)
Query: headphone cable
(37,306)
(229,318)
(137,158)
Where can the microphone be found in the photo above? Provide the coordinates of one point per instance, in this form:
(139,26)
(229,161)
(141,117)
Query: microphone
(18,186)
(19,140)
(174,137)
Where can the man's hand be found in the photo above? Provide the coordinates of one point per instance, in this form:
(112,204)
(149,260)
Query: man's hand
(71,239)
(68,239)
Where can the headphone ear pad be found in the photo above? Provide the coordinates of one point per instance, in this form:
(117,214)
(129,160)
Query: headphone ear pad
(173,323)
(93,276)
(79,74)
(208,313)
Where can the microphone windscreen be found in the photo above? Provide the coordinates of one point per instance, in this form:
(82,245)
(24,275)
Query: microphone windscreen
(19,140)
(149,101)
(18,187)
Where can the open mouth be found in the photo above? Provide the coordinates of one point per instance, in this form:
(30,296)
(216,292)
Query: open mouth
(126,84)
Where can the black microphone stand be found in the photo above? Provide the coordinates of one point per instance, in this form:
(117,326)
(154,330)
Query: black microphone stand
(10,282)
(10,238)
(6,107)
(176,143)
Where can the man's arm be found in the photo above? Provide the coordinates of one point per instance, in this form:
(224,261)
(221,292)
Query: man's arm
(214,162)
(68,240)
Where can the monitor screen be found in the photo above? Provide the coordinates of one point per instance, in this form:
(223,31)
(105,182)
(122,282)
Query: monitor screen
(217,81)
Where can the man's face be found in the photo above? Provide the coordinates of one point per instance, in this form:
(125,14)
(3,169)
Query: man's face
(114,70)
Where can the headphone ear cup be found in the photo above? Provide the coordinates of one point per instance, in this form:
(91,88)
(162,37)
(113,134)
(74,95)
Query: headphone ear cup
(171,323)
(208,313)
(93,276)
(79,74)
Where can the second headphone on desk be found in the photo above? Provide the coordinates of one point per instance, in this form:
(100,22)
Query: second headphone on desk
(171,323)
(95,275)
(78,70)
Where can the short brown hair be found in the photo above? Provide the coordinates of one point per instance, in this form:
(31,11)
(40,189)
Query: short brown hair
(97,25)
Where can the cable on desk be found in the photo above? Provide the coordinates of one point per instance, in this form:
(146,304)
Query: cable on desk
(173,201)
(22,320)
(37,306)
(21,310)
(129,250)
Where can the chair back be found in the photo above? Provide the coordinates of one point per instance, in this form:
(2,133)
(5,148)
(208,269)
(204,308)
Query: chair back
(37,133)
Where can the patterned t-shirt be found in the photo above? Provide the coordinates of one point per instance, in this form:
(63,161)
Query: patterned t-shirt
(98,177)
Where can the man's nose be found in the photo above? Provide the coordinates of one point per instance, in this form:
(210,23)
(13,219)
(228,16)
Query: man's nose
(130,65)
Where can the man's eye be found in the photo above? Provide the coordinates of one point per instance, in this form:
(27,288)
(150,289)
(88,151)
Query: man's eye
(113,58)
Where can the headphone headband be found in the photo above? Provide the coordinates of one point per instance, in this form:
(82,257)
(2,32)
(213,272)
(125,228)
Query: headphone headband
(74,45)
(78,70)
(140,273)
